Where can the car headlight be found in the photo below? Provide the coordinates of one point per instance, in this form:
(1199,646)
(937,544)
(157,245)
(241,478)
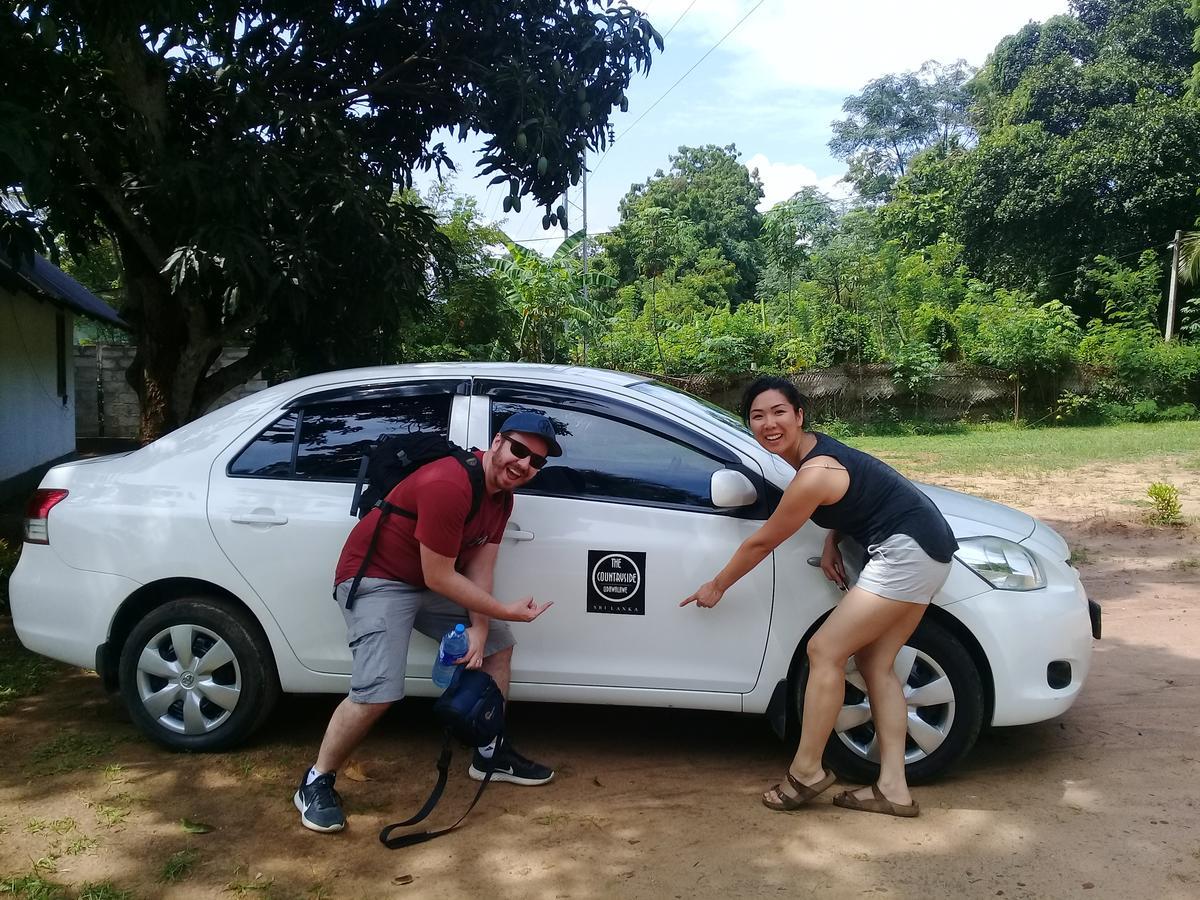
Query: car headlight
(1002,563)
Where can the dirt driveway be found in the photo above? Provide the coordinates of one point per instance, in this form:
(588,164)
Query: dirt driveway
(1104,802)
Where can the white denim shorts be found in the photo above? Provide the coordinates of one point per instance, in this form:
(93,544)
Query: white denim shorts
(898,569)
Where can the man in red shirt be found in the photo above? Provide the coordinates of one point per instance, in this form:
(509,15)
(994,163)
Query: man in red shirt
(430,572)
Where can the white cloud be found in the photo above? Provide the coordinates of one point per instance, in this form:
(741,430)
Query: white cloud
(782,180)
(840,46)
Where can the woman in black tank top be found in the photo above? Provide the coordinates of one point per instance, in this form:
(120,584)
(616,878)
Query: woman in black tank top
(856,495)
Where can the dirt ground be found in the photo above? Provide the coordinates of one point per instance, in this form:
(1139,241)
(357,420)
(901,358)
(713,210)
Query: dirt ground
(1103,802)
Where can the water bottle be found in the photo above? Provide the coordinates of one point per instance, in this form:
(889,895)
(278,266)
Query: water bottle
(452,648)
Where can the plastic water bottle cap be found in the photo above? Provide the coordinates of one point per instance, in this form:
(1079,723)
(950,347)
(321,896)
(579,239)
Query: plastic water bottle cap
(459,629)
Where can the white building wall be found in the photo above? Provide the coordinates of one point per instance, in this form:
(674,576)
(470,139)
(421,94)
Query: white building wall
(36,426)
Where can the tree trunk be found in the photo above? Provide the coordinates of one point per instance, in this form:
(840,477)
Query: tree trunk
(662,363)
(174,351)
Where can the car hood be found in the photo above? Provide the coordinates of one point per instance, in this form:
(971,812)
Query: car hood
(971,516)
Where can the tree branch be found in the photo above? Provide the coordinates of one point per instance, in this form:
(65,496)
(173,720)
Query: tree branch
(115,203)
(225,379)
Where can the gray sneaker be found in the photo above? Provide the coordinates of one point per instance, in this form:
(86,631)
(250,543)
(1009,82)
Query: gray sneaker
(319,804)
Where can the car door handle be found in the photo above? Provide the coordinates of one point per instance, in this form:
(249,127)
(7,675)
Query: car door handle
(257,518)
(517,534)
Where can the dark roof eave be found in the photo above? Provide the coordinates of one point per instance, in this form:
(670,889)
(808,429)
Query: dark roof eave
(44,279)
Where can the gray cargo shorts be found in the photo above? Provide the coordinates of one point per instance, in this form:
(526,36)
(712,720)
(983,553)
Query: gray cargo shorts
(382,621)
(898,569)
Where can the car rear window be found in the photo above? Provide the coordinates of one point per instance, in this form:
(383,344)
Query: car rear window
(334,436)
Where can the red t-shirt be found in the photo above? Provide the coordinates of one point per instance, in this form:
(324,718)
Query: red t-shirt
(440,494)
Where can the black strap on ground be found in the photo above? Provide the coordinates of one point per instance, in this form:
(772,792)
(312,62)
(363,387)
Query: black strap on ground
(420,837)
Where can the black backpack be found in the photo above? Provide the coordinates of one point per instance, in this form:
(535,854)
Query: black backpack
(388,463)
(472,710)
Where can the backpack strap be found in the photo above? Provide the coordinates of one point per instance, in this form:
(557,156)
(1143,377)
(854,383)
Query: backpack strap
(474,467)
(469,462)
(358,484)
(420,837)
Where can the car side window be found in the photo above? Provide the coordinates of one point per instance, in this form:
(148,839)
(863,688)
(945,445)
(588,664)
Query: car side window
(605,458)
(334,436)
(270,454)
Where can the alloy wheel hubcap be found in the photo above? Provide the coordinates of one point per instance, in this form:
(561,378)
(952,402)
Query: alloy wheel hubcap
(930,698)
(188,679)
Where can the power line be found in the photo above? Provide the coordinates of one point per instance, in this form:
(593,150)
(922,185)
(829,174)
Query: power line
(554,238)
(680,19)
(695,65)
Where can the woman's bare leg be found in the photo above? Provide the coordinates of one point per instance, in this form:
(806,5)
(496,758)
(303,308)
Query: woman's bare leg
(859,619)
(877,664)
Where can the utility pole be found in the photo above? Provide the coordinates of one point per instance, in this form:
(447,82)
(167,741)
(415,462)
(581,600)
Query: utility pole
(1170,329)
(586,229)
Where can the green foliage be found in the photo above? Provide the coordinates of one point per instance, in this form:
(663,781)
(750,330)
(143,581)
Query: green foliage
(547,295)
(467,317)
(914,365)
(1167,509)
(1082,120)
(1012,331)
(708,199)
(895,117)
(243,159)
(1130,296)
(1141,365)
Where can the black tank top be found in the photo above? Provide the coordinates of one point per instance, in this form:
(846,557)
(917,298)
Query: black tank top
(880,502)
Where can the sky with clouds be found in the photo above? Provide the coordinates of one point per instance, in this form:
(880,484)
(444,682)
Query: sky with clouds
(771,85)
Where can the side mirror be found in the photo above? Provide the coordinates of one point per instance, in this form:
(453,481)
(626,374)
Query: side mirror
(731,489)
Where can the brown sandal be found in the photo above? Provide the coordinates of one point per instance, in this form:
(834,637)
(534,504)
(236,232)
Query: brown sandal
(804,792)
(879,804)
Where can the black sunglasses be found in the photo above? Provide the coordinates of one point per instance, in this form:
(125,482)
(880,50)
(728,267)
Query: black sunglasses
(520,451)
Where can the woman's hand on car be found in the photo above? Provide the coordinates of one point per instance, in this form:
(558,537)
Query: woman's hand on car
(832,564)
(707,596)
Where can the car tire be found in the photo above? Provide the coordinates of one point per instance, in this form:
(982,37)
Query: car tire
(216,698)
(934,666)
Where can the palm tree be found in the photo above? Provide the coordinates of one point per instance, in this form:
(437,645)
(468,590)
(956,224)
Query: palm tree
(1189,257)
(547,294)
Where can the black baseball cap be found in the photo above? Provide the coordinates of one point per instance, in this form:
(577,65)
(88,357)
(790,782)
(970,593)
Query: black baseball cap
(533,423)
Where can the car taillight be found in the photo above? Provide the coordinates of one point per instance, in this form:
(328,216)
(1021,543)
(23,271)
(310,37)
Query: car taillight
(37,513)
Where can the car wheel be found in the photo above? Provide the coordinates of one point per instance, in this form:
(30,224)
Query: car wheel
(945,710)
(196,674)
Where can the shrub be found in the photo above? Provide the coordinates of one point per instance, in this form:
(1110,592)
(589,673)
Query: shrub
(1167,508)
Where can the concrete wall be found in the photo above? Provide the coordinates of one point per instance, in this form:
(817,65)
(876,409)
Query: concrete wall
(107,405)
(36,424)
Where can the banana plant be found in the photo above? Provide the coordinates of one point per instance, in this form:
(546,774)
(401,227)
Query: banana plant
(547,294)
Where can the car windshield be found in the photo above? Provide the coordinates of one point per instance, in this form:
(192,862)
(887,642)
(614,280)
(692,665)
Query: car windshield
(679,397)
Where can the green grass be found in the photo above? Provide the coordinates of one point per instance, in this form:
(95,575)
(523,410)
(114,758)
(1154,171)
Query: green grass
(179,866)
(103,891)
(35,887)
(31,887)
(1009,450)
(69,752)
(21,672)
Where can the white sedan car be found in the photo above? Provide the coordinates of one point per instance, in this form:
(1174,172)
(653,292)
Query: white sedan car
(195,574)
